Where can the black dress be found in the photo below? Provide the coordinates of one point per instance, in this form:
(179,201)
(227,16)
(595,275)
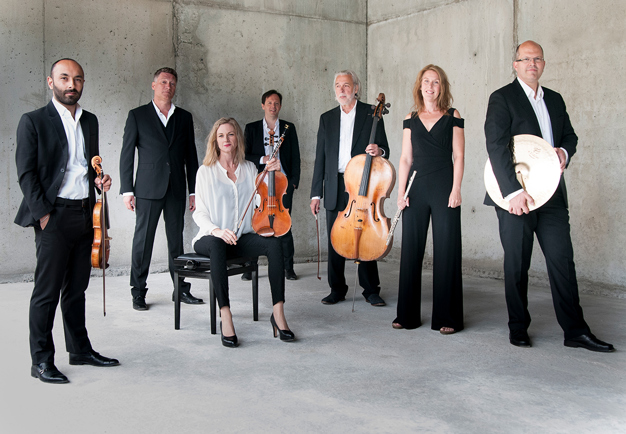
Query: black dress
(429,195)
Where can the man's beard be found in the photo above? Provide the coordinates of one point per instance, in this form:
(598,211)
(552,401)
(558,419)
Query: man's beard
(66,99)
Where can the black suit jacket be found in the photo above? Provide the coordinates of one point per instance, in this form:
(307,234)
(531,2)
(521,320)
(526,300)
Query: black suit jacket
(509,113)
(325,171)
(289,150)
(41,158)
(161,162)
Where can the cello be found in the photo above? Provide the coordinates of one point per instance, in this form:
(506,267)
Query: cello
(271,218)
(100,247)
(360,231)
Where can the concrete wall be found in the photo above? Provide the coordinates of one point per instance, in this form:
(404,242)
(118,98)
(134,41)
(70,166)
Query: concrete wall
(228,52)
(473,41)
(232,52)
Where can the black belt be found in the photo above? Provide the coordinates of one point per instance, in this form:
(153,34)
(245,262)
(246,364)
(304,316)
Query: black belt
(74,203)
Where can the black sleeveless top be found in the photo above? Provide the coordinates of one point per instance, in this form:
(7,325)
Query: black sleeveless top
(432,150)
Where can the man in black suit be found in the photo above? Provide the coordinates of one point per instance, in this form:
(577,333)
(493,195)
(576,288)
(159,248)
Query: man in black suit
(163,136)
(524,107)
(55,145)
(343,133)
(258,150)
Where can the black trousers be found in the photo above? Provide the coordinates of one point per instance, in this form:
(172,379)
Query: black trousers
(367,270)
(551,225)
(247,245)
(148,212)
(428,199)
(63,251)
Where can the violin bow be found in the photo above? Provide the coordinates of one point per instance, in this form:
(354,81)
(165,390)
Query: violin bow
(396,218)
(281,139)
(317,229)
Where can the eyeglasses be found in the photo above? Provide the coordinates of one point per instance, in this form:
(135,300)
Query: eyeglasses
(528,60)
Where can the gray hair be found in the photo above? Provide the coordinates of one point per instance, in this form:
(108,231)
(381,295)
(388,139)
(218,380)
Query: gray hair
(355,81)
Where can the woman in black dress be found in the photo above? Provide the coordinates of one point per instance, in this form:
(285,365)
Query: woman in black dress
(433,144)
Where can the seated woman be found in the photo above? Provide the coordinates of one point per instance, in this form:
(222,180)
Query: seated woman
(224,185)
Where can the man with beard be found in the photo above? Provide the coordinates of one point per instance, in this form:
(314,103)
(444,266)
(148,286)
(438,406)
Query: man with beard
(54,147)
(344,133)
(164,138)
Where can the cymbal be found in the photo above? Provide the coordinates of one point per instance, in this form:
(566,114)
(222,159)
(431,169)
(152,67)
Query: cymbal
(537,168)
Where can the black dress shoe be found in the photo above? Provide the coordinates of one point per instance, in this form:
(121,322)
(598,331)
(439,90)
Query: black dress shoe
(375,300)
(139,303)
(589,342)
(48,373)
(228,341)
(333,298)
(92,358)
(187,298)
(290,275)
(247,276)
(519,338)
(285,335)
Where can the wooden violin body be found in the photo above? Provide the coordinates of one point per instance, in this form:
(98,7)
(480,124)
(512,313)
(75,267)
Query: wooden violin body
(100,247)
(271,218)
(361,230)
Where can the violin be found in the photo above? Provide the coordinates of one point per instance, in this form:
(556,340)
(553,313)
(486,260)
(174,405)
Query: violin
(360,231)
(273,224)
(271,218)
(100,247)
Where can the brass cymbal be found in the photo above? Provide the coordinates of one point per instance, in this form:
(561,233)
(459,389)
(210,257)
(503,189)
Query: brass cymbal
(537,169)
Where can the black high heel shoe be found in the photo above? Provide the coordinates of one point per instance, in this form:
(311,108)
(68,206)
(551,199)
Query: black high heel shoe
(228,341)
(285,335)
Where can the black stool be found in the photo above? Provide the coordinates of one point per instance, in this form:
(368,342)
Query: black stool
(199,267)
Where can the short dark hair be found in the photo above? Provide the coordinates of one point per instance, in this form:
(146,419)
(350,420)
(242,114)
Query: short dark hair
(61,60)
(165,70)
(269,93)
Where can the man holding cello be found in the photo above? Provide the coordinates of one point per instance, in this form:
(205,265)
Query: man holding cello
(344,133)
(54,145)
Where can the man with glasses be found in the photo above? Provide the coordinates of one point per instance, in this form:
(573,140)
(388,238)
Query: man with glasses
(524,107)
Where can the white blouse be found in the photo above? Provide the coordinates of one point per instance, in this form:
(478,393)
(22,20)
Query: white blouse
(220,202)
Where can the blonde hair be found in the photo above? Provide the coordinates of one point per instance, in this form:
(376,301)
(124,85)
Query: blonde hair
(444,100)
(213,150)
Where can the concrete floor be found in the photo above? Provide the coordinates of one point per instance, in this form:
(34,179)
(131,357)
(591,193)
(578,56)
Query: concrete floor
(348,372)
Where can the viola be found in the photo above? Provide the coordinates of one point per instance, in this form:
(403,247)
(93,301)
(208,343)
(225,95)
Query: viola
(100,247)
(361,230)
(271,218)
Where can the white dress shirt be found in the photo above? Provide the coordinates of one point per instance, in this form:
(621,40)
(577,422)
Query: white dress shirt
(346,131)
(220,202)
(266,142)
(541,111)
(164,119)
(75,183)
